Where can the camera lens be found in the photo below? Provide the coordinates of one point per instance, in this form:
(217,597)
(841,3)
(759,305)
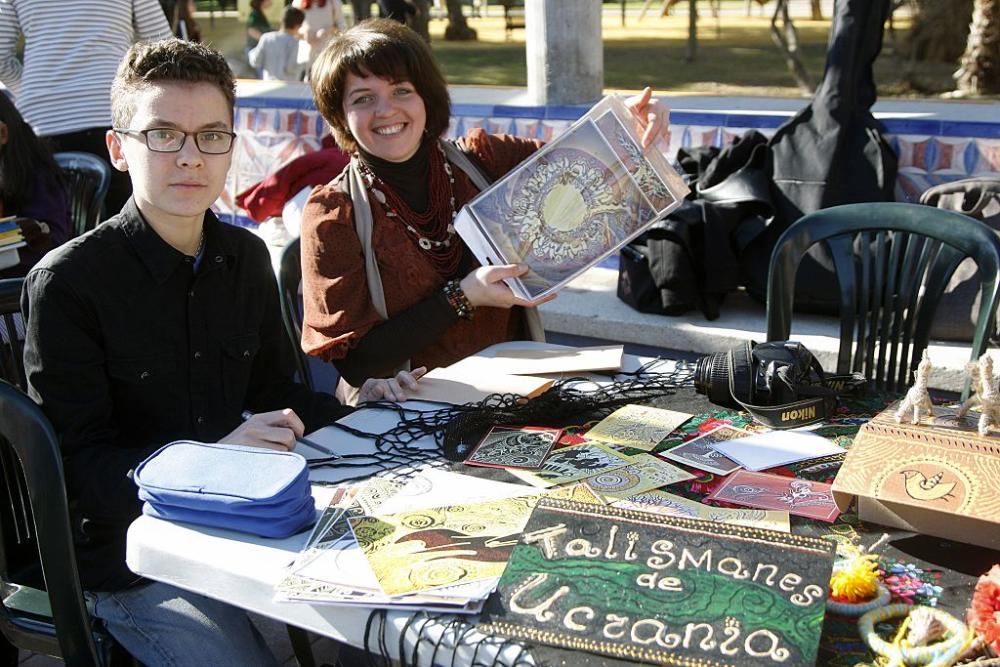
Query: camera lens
(711,377)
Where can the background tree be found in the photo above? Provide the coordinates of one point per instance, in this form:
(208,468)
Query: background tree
(420,21)
(939,29)
(786,37)
(458,29)
(979,70)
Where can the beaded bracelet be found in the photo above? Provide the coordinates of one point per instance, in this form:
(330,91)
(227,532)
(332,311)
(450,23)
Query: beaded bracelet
(456,297)
(941,653)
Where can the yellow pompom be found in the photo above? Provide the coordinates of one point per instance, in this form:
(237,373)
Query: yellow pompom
(856,580)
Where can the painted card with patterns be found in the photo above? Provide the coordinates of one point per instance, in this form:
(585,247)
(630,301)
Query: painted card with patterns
(571,464)
(662,502)
(801,497)
(698,452)
(637,426)
(570,205)
(341,575)
(647,473)
(443,546)
(524,448)
(666,590)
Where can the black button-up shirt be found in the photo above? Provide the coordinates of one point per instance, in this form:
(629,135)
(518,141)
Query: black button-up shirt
(128,348)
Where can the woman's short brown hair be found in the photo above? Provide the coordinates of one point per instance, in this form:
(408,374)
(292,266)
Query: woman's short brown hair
(386,49)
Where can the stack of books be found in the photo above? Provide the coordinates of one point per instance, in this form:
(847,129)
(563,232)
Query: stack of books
(10,240)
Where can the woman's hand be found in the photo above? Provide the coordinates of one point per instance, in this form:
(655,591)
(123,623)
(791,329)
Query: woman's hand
(485,287)
(391,389)
(653,116)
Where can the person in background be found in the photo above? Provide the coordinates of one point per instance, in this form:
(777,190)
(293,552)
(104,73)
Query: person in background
(276,55)
(324,19)
(187,27)
(163,324)
(31,188)
(380,90)
(71,51)
(257,23)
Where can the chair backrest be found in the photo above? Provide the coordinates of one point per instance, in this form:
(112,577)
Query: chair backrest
(35,512)
(289,279)
(11,348)
(87,179)
(893,262)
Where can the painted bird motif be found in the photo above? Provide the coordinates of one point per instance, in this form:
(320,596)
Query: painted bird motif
(922,487)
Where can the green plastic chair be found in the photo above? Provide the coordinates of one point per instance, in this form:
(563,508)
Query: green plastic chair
(893,262)
(36,544)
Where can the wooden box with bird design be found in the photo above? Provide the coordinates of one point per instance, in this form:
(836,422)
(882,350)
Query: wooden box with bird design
(938,477)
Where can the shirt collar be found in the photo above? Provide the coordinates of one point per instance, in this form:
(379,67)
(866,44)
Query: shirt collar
(160,258)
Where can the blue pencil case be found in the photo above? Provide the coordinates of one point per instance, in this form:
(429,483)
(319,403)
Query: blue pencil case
(254,490)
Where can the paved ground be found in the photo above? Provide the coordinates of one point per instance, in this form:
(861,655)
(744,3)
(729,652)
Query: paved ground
(324,649)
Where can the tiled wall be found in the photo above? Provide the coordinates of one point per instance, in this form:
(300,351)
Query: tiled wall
(273,132)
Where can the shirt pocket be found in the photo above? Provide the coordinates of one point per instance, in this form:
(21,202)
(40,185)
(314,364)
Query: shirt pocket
(146,385)
(238,355)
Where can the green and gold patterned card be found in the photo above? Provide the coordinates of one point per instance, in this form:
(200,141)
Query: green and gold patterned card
(651,588)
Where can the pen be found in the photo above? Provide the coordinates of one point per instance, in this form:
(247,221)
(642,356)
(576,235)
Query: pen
(246,414)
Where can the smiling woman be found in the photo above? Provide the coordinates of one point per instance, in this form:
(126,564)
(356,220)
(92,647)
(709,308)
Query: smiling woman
(386,281)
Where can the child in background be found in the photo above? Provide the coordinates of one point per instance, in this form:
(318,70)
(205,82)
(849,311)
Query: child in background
(31,187)
(276,54)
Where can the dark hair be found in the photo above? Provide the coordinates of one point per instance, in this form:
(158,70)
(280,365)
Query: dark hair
(292,17)
(21,159)
(386,49)
(255,4)
(167,61)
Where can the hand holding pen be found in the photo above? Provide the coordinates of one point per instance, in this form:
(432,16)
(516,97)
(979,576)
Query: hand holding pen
(278,429)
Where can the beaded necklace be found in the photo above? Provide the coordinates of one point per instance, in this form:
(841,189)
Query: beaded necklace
(432,230)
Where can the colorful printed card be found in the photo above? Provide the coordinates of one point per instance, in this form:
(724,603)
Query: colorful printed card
(699,453)
(771,449)
(661,502)
(341,575)
(580,493)
(648,472)
(571,464)
(433,487)
(524,447)
(647,588)
(637,426)
(430,548)
(801,497)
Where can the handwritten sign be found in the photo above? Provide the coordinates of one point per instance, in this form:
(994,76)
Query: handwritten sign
(669,590)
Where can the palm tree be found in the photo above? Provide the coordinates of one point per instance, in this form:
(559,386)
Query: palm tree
(979,70)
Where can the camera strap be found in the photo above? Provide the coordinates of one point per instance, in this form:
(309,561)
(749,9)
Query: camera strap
(819,404)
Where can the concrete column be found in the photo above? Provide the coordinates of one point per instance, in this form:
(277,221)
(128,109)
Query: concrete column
(564,51)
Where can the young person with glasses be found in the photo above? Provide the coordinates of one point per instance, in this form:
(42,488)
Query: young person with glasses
(163,324)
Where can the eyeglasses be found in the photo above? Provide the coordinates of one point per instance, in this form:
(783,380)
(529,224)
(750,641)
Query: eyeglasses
(169,140)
